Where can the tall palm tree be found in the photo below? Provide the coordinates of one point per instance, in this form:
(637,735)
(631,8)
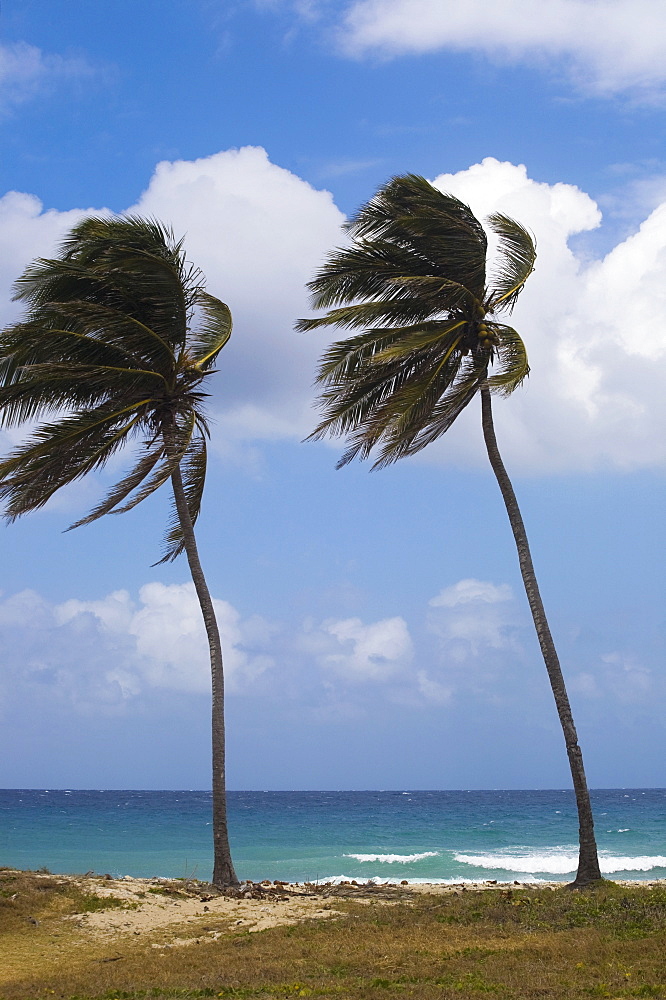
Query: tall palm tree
(118,339)
(413,279)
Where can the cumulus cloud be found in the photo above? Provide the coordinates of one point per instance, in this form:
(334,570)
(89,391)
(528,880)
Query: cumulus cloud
(26,71)
(593,328)
(104,652)
(357,652)
(471,592)
(606,46)
(472,618)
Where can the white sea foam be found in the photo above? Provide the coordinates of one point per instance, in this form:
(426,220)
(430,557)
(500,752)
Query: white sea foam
(559,863)
(393,858)
(378,880)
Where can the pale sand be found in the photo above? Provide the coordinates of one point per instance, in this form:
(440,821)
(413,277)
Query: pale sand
(181,913)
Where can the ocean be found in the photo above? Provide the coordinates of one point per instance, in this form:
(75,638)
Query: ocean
(421,836)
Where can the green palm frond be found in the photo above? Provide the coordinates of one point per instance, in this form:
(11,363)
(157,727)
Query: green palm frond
(193,471)
(118,337)
(128,264)
(446,335)
(212,331)
(413,279)
(436,227)
(512,364)
(26,344)
(379,397)
(386,270)
(108,319)
(122,490)
(343,358)
(364,314)
(515,261)
(57,454)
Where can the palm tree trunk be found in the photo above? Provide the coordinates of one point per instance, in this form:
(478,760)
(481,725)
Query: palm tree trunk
(223,868)
(588,862)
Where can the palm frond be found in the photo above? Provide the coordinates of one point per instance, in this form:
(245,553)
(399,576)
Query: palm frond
(515,261)
(122,490)
(180,437)
(513,366)
(438,227)
(446,335)
(193,471)
(212,332)
(129,264)
(106,350)
(25,344)
(376,396)
(413,279)
(58,454)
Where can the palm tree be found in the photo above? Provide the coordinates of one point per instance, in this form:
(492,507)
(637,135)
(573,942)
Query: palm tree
(118,338)
(413,280)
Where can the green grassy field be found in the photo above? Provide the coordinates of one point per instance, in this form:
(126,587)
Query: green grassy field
(507,943)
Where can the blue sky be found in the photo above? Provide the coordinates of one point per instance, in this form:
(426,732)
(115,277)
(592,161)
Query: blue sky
(375,628)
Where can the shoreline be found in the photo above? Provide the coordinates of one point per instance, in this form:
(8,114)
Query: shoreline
(174,909)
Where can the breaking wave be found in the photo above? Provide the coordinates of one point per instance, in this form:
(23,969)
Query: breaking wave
(393,858)
(559,863)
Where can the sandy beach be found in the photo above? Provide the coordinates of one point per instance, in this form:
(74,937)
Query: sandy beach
(185,912)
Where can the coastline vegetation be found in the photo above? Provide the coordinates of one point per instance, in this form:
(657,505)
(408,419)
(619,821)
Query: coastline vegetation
(517,942)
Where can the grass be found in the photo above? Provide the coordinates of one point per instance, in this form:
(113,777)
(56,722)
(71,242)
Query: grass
(514,944)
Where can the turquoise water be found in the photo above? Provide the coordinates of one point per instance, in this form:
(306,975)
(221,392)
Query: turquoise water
(298,836)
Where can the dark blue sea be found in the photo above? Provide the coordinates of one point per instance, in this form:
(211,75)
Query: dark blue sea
(304,836)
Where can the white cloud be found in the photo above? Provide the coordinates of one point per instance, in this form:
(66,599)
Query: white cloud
(168,637)
(472,618)
(26,71)
(605,45)
(358,652)
(104,652)
(432,690)
(620,679)
(26,232)
(593,329)
(471,591)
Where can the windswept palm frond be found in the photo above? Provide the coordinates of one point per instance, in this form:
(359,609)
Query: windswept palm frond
(131,265)
(512,367)
(212,331)
(436,227)
(413,280)
(127,485)
(514,263)
(57,454)
(119,334)
(193,471)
